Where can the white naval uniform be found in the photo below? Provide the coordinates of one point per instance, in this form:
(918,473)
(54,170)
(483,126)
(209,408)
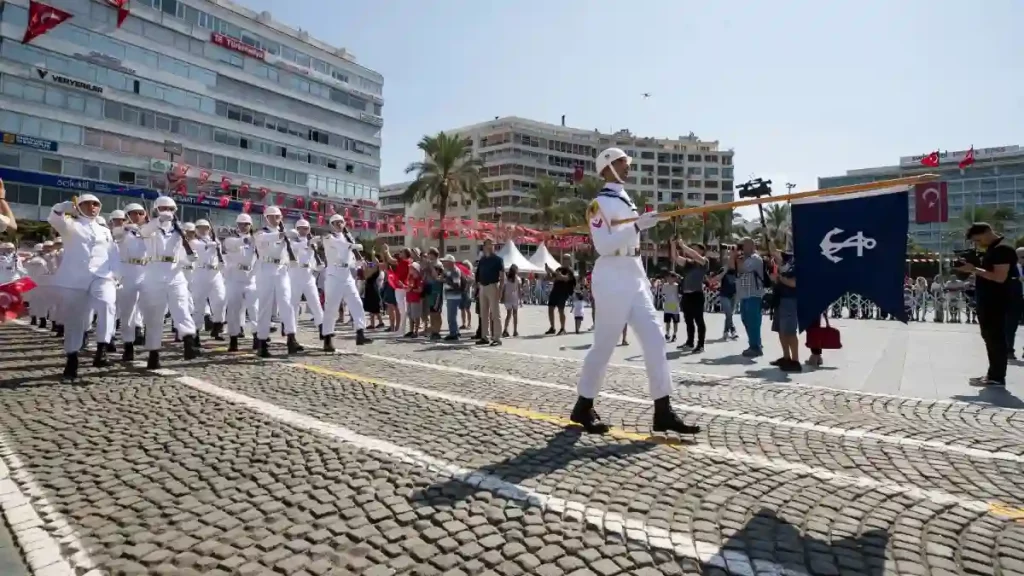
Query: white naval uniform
(36,268)
(132,248)
(11,268)
(164,286)
(85,278)
(273,286)
(207,281)
(240,282)
(622,295)
(303,282)
(340,284)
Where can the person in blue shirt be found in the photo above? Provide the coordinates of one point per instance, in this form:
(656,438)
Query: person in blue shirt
(785,320)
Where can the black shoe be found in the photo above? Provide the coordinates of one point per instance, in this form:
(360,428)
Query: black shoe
(99,359)
(264,349)
(207,322)
(33,322)
(128,354)
(561,332)
(495,342)
(140,335)
(111,347)
(60,331)
(791,366)
(549,332)
(293,345)
(217,333)
(233,344)
(42,322)
(70,367)
(451,338)
(666,420)
(361,338)
(408,335)
(195,338)
(320,329)
(698,349)
(583,413)
(191,347)
(154,360)
(255,342)
(329,343)
(779,361)
(504,334)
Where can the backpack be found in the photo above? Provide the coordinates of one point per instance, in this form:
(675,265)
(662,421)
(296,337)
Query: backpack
(728,286)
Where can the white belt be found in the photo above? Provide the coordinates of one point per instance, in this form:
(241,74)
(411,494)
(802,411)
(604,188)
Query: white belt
(163,260)
(208,266)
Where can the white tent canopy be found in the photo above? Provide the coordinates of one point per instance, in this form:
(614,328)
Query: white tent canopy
(542,257)
(511,255)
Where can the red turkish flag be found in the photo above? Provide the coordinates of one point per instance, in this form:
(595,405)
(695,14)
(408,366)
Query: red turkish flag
(201,197)
(246,206)
(182,188)
(12,305)
(320,219)
(122,10)
(42,19)
(315,206)
(225,183)
(243,188)
(225,200)
(280,199)
(577,174)
(931,203)
(968,159)
(931,160)
(204,176)
(330,209)
(263,192)
(299,202)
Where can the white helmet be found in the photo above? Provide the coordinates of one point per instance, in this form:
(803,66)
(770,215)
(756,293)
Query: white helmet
(271,211)
(88,198)
(337,218)
(189,227)
(165,202)
(7,246)
(202,222)
(117,215)
(133,207)
(302,224)
(243,219)
(37,247)
(605,159)
(48,244)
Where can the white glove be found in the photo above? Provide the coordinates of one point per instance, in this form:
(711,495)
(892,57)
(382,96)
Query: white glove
(647,220)
(357,246)
(192,258)
(293,235)
(65,207)
(165,216)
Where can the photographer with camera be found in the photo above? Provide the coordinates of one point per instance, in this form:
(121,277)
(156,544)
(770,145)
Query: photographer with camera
(995,272)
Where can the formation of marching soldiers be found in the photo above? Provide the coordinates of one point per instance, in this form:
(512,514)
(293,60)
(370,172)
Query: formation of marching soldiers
(129,275)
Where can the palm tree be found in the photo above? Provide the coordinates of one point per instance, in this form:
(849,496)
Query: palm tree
(549,197)
(777,218)
(448,171)
(720,225)
(999,217)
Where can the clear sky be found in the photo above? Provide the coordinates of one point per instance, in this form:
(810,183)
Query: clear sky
(799,88)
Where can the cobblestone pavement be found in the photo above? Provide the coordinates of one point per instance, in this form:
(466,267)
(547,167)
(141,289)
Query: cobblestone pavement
(413,458)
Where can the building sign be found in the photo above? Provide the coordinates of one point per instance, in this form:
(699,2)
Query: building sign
(28,142)
(45,74)
(106,61)
(948,157)
(237,45)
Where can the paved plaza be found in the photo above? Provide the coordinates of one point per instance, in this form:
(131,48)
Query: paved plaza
(434,458)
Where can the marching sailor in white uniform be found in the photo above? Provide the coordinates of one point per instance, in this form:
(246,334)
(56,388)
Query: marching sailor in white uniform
(306,262)
(85,278)
(623,296)
(207,280)
(36,267)
(239,264)
(132,249)
(273,286)
(340,285)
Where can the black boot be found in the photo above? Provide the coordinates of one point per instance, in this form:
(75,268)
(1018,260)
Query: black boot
(255,342)
(59,332)
(264,348)
(320,328)
(117,324)
(71,367)
(207,322)
(233,344)
(361,338)
(85,340)
(99,359)
(666,420)
(293,345)
(139,334)
(195,338)
(217,332)
(175,332)
(329,343)
(111,347)
(128,354)
(33,322)
(583,413)
(154,360)
(42,322)
(191,347)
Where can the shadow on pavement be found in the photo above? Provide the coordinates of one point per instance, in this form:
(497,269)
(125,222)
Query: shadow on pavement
(731,360)
(769,539)
(993,395)
(560,450)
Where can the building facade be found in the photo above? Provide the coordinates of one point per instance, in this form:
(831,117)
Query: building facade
(517,153)
(995,180)
(224,107)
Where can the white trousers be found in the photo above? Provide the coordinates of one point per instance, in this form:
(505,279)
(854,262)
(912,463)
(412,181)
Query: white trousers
(157,298)
(403,307)
(303,284)
(338,288)
(241,300)
(208,286)
(128,309)
(623,300)
(274,291)
(77,306)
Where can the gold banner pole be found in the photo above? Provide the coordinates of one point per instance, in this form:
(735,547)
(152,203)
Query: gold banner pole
(836,191)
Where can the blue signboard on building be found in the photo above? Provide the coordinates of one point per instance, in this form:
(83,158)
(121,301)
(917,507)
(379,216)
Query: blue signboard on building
(28,141)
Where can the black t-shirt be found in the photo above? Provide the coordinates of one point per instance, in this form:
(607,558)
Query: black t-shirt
(991,293)
(564,288)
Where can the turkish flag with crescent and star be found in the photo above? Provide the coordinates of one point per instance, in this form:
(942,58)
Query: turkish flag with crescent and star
(931,160)
(12,304)
(42,19)
(122,10)
(931,203)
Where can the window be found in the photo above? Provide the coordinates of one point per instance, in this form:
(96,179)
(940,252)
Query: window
(51,165)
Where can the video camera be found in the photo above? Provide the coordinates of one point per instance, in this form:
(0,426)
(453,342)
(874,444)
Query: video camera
(756,188)
(966,256)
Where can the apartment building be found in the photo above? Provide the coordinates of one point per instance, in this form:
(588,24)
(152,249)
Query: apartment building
(204,98)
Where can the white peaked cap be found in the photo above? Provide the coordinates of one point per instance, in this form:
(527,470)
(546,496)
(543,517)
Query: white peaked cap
(272,211)
(37,247)
(164,202)
(302,224)
(189,227)
(243,219)
(88,198)
(133,207)
(605,158)
(337,218)
(203,222)
(117,215)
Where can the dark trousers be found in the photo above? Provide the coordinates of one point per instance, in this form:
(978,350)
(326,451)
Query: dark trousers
(993,331)
(692,304)
(1013,314)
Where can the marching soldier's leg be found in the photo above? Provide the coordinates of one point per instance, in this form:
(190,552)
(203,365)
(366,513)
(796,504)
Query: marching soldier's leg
(233,314)
(313,302)
(265,295)
(218,305)
(355,308)
(181,314)
(607,330)
(251,306)
(103,295)
(283,298)
(332,302)
(74,314)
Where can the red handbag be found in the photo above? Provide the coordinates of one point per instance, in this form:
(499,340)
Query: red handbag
(824,337)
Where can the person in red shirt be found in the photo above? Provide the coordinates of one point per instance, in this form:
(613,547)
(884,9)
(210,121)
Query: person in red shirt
(401,264)
(414,298)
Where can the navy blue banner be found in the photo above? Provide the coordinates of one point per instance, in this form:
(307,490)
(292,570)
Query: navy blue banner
(28,141)
(15,176)
(852,243)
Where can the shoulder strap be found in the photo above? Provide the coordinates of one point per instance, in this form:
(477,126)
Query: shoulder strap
(609,193)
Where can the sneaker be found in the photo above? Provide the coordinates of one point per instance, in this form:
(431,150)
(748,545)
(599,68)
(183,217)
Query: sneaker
(483,342)
(451,338)
(673,338)
(986,382)
(752,353)
(779,362)
(699,349)
(549,332)
(791,366)
(685,346)
(496,343)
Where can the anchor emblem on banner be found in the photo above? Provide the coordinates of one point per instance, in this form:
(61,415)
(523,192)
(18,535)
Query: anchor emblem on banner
(830,248)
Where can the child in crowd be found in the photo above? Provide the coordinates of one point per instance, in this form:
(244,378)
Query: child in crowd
(670,305)
(577,309)
(414,300)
